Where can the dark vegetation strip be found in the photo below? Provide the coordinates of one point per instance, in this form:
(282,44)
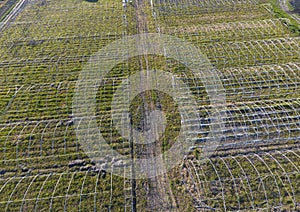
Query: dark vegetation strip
(279,13)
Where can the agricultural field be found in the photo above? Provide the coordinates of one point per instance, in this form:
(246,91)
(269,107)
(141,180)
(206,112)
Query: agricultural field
(252,46)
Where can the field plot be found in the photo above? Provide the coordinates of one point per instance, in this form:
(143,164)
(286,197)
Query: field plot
(256,55)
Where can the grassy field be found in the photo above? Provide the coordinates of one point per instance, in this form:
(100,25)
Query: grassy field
(252,46)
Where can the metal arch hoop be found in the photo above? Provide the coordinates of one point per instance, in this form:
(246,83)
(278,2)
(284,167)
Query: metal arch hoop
(84,99)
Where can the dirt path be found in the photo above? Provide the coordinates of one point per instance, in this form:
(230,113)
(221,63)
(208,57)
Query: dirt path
(159,193)
(284,6)
(5,6)
(13,14)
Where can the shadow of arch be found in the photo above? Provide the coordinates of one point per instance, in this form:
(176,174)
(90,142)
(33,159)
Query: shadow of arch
(92,1)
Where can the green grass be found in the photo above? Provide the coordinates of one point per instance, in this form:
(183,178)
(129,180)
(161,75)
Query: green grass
(279,13)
